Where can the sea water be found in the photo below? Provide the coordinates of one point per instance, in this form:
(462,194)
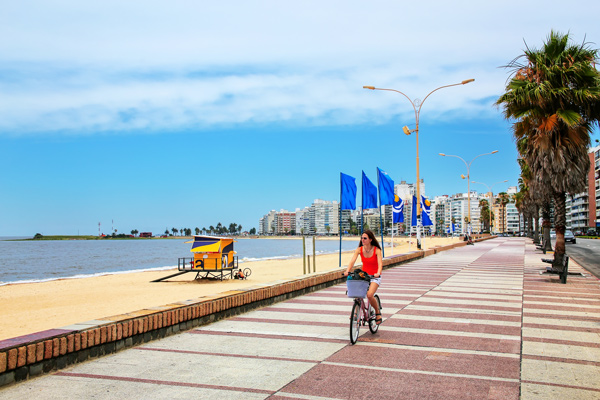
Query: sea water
(43,260)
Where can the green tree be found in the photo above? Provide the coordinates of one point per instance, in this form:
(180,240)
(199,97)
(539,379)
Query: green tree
(174,230)
(197,230)
(485,214)
(502,200)
(517,198)
(554,96)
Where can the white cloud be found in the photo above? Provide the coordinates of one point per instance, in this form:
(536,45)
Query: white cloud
(149,66)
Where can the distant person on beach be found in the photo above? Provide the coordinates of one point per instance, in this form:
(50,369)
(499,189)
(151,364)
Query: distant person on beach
(372,263)
(239,274)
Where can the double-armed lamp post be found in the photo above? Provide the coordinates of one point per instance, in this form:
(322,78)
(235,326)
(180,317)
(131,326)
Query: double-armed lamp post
(491,198)
(417,104)
(468,178)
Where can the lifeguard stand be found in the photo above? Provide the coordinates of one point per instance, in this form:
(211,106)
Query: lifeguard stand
(213,254)
(213,258)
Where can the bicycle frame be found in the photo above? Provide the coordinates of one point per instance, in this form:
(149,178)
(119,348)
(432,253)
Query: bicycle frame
(362,314)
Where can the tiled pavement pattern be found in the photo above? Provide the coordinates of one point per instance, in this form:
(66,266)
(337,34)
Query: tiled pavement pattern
(478,322)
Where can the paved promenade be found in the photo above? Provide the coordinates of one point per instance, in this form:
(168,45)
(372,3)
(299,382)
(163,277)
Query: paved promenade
(477,322)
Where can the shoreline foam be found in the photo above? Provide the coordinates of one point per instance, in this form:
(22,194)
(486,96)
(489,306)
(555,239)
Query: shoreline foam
(40,306)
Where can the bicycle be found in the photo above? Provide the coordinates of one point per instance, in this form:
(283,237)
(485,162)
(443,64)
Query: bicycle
(362,312)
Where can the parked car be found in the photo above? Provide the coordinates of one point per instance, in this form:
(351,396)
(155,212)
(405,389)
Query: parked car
(578,233)
(569,237)
(591,232)
(552,234)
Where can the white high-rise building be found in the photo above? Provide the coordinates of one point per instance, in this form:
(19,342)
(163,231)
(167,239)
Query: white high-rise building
(324,217)
(302,221)
(512,214)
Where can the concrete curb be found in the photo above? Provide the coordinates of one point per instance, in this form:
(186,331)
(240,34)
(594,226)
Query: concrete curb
(31,355)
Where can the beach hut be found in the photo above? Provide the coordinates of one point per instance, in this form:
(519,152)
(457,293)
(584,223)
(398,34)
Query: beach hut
(213,257)
(213,253)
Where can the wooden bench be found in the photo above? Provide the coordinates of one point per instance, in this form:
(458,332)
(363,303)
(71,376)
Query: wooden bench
(565,270)
(542,246)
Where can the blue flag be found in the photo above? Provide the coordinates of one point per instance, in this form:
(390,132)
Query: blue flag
(426,211)
(348,200)
(398,210)
(386,188)
(413,220)
(369,193)
(453,228)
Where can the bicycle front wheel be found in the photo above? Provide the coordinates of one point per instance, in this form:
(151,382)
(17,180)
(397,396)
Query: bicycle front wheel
(355,322)
(373,327)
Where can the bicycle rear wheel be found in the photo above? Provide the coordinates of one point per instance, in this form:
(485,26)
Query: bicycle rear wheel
(355,322)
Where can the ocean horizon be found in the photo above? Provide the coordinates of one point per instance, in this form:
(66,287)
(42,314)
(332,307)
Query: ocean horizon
(32,261)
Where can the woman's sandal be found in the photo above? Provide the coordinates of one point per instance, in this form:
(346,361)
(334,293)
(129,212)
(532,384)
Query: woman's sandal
(378,319)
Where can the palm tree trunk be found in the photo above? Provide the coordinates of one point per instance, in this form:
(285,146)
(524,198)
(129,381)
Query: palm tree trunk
(536,221)
(546,226)
(536,224)
(560,220)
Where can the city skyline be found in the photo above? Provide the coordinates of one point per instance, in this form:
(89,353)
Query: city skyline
(188,114)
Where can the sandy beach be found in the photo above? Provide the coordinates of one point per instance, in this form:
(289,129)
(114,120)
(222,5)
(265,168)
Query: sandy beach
(32,307)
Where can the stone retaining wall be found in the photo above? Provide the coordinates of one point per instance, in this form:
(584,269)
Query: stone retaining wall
(42,352)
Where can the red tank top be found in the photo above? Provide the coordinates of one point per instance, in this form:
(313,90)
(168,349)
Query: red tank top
(370,265)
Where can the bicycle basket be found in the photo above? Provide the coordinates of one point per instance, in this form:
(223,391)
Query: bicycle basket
(357,288)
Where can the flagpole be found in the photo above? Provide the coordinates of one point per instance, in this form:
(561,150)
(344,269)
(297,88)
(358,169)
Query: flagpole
(422,205)
(380,220)
(392,230)
(362,204)
(340,220)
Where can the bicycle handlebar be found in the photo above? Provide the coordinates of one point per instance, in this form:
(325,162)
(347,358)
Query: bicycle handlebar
(369,276)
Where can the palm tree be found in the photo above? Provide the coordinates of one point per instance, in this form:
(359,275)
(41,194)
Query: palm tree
(174,230)
(485,214)
(503,199)
(554,95)
(517,198)
(197,230)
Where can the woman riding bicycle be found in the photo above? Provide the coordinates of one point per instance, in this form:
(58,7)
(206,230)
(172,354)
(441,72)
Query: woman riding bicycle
(370,254)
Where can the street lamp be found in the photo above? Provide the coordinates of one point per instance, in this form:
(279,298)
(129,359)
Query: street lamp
(468,178)
(417,104)
(491,197)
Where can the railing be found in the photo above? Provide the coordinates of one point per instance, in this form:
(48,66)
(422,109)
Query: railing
(187,263)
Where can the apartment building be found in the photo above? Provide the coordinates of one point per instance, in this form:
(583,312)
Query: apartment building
(324,217)
(582,208)
(285,222)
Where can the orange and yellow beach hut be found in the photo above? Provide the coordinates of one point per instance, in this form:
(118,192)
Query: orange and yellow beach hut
(213,253)
(213,257)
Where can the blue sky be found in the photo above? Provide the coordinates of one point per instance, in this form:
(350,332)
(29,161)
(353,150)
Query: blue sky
(185,114)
